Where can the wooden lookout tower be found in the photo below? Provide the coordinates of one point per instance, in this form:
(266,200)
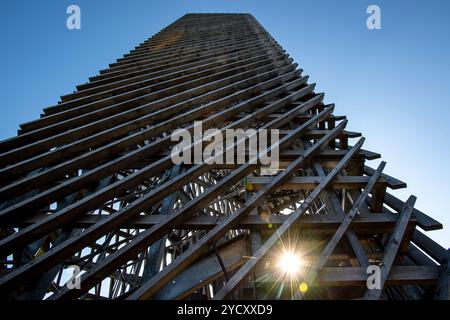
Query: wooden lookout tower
(90,188)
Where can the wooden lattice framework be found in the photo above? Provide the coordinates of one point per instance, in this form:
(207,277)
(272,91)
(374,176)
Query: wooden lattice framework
(91,184)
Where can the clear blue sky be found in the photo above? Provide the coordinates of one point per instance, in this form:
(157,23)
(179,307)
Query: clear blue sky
(393,84)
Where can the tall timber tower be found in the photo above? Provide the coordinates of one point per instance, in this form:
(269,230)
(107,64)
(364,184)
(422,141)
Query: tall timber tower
(90,187)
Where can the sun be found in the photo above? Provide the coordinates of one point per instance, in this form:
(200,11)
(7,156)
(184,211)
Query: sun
(289,263)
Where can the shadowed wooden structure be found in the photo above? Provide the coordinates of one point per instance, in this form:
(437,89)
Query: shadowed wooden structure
(90,186)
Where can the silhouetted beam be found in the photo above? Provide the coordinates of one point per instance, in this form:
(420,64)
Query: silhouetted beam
(392,182)
(425,221)
(321,223)
(310,182)
(348,276)
(429,246)
(205,270)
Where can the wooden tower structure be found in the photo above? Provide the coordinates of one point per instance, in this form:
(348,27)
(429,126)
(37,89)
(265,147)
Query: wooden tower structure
(90,187)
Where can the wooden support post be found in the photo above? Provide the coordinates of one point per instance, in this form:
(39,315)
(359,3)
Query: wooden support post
(443,287)
(378,199)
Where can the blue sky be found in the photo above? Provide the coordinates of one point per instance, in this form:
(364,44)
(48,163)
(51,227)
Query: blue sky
(393,83)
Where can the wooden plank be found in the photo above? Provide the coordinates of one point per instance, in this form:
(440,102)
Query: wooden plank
(390,251)
(425,222)
(310,182)
(429,246)
(357,276)
(321,223)
(204,271)
(392,182)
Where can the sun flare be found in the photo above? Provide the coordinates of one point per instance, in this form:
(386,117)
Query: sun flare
(289,263)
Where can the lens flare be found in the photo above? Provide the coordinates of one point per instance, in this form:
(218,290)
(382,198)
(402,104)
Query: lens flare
(289,263)
(303,287)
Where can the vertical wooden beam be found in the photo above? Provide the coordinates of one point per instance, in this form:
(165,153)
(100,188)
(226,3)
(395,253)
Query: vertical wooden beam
(378,199)
(443,287)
